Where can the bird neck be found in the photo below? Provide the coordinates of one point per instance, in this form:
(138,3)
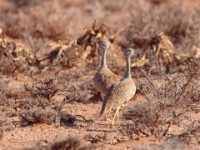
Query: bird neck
(128,68)
(104,63)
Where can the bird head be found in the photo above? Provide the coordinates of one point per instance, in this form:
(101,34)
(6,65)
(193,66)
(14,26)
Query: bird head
(103,44)
(129,52)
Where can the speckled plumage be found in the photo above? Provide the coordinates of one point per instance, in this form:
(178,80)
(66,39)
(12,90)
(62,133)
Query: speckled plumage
(121,92)
(104,77)
(103,80)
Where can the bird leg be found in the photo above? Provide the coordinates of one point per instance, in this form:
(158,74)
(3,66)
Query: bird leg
(116,114)
(101,97)
(108,111)
(107,114)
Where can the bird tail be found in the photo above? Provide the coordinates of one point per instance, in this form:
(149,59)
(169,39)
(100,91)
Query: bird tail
(104,105)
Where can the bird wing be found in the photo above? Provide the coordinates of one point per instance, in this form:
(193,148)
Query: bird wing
(107,97)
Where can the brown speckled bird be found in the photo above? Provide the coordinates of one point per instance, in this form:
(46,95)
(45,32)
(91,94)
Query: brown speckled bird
(104,77)
(121,92)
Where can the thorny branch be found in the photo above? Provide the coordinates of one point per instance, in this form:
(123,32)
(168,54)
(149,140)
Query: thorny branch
(143,72)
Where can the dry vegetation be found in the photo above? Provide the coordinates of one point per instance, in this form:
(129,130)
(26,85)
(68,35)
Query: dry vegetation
(47,62)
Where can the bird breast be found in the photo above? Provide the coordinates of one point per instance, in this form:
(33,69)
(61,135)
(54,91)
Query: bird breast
(103,80)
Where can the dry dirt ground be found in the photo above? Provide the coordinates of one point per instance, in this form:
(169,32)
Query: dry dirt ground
(48,58)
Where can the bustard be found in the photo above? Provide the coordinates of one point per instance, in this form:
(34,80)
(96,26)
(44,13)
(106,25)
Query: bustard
(120,92)
(104,77)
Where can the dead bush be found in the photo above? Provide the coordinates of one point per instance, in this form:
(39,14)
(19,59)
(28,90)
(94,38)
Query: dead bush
(24,3)
(175,97)
(80,93)
(16,58)
(67,54)
(75,74)
(88,42)
(7,104)
(7,65)
(45,89)
(67,119)
(26,104)
(29,110)
(36,19)
(179,24)
(170,143)
(192,135)
(95,137)
(37,114)
(70,143)
(34,111)
(158,2)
